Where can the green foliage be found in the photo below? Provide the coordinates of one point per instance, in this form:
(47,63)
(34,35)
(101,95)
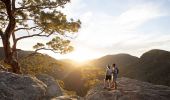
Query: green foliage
(57,45)
(44,18)
(153,66)
(91,83)
(38,45)
(75,80)
(91,76)
(4,64)
(82,78)
(39,63)
(61,83)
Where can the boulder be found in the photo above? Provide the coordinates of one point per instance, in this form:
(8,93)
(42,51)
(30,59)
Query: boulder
(20,87)
(129,89)
(53,87)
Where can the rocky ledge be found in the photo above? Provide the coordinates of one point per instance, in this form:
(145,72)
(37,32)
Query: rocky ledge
(20,87)
(130,89)
(25,87)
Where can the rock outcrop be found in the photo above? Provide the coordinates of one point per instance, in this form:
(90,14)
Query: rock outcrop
(20,87)
(53,87)
(129,89)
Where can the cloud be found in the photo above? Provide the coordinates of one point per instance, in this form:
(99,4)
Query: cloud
(138,15)
(105,29)
(106,33)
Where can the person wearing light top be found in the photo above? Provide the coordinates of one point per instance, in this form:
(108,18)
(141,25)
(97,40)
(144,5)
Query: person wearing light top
(108,77)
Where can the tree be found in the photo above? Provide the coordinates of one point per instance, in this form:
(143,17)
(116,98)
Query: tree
(39,18)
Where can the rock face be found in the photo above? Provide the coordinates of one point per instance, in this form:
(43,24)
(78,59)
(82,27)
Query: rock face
(53,87)
(129,89)
(19,87)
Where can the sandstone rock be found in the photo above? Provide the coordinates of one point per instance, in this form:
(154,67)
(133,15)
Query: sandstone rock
(2,68)
(129,89)
(53,87)
(66,97)
(20,87)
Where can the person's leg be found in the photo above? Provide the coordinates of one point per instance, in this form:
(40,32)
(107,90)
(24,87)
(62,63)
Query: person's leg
(115,85)
(110,78)
(114,80)
(109,83)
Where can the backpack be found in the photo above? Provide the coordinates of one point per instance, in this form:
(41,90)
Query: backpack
(115,70)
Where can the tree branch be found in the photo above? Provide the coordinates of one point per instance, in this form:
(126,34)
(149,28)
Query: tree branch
(14,50)
(3,13)
(39,34)
(24,19)
(26,28)
(46,49)
(40,6)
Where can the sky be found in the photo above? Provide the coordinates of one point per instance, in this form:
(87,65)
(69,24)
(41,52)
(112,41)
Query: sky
(115,26)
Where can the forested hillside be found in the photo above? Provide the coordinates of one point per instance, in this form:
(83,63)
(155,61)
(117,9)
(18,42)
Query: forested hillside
(153,66)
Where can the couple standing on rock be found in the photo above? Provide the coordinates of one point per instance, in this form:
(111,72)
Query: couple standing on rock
(111,76)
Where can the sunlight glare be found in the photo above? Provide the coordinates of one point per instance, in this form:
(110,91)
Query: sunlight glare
(82,54)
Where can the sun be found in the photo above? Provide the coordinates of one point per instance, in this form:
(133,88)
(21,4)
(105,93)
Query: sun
(82,54)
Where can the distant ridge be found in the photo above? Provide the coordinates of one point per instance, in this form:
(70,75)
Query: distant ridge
(119,59)
(21,53)
(153,66)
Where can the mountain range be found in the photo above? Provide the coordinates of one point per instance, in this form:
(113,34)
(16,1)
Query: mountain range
(153,66)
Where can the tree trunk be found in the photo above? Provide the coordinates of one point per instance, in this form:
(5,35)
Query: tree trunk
(8,51)
(9,56)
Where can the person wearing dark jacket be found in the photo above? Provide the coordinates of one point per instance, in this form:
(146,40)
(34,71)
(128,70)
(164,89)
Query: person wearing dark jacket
(115,72)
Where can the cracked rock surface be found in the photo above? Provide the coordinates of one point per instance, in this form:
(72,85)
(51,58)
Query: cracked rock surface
(130,89)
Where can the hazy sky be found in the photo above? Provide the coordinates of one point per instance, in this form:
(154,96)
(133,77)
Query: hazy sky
(117,26)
